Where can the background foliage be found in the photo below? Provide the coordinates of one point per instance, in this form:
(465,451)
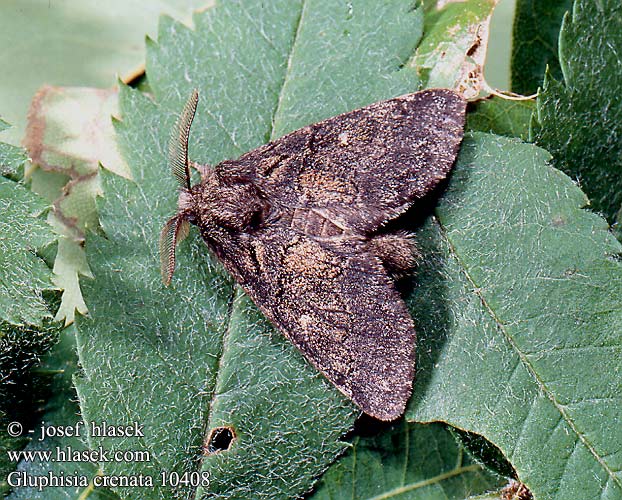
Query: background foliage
(516,302)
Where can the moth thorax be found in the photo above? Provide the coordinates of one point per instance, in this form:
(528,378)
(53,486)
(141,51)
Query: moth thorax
(185,201)
(236,207)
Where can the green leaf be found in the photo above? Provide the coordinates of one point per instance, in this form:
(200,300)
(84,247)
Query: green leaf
(501,116)
(20,348)
(25,330)
(519,320)
(536,32)
(74,42)
(198,356)
(453,49)
(24,275)
(61,409)
(11,157)
(406,461)
(579,120)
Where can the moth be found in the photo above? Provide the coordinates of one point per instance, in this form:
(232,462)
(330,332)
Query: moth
(300,224)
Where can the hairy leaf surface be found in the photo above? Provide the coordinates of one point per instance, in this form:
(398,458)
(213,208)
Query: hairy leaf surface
(519,320)
(23,232)
(55,373)
(579,119)
(407,461)
(25,329)
(11,157)
(535,37)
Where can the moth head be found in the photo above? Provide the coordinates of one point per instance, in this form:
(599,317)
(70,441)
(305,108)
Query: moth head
(225,202)
(176,228)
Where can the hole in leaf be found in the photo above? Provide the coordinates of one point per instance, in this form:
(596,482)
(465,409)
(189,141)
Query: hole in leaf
(485,452)
(219,439)
(616,257)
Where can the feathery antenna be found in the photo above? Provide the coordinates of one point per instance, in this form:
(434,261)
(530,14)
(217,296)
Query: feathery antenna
(176,228)
(173,232)
(178,144)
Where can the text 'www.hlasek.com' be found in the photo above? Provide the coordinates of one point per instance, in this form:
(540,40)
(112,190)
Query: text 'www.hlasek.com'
(32,471)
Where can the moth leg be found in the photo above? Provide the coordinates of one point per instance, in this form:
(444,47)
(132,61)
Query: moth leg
(397,252)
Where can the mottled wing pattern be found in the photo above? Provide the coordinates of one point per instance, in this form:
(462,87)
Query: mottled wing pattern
(366,166)
(307,262)
(336,304)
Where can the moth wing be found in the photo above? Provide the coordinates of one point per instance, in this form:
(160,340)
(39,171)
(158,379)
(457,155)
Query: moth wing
(339,308)
(364,167)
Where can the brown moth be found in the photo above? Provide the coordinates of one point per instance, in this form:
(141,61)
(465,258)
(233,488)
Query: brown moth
(298,221)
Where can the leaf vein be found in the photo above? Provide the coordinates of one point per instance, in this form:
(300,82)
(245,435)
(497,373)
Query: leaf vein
(526,362)
(427,482)
(217,381)
(275,113)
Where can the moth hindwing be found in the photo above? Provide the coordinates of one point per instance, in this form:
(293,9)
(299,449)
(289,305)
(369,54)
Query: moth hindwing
(297,223)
